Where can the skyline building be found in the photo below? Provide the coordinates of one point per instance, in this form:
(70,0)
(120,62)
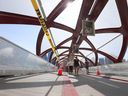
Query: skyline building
(101,60)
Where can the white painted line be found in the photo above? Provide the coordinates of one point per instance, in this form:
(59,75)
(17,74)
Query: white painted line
(111,85)
(118,81)
(90,78)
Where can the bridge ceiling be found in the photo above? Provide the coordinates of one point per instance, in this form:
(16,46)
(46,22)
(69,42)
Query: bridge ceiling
(64,18)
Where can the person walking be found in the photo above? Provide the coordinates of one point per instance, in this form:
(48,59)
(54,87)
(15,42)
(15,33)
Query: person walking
(76,65)
(87,67)
(70,66)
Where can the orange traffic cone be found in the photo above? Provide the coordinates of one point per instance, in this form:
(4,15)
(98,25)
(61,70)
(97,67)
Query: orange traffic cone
(59,71)
(97,72)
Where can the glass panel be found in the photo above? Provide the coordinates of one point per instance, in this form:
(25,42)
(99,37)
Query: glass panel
(84,45)
(88,54)
(49,5)
(18,6)
(14,60)
(100,39)
(66,52)
(59,35)
(113,48)
(81,59)
(85,52)
(61,51)
(68,44)
(45,44)
(127,2)
(62,57)
(91,56)
(70,14)
(109,16)
(126,56)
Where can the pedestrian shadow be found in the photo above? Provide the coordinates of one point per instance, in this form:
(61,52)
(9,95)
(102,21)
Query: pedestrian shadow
(12,78)
(101,85)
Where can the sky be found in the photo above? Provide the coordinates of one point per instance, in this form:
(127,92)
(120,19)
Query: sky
(26,35)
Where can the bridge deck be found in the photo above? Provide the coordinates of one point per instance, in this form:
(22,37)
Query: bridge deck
(50,84)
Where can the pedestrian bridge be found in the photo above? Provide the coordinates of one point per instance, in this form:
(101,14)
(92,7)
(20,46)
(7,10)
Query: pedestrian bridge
(50,84)
(25,74)
(95,31)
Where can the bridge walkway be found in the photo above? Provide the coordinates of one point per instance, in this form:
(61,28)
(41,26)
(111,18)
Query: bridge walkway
(50,84)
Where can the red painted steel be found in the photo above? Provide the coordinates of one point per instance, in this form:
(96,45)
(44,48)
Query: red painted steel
(11,18)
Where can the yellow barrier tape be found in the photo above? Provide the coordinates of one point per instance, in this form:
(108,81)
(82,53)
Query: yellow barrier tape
(44,27)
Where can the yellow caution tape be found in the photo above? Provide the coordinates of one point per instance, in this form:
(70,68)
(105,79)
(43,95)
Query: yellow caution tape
(44,27)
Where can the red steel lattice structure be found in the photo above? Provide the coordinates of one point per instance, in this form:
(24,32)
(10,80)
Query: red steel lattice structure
(11,18)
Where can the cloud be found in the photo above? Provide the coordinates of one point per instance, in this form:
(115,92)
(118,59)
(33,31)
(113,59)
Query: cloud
(6,52)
